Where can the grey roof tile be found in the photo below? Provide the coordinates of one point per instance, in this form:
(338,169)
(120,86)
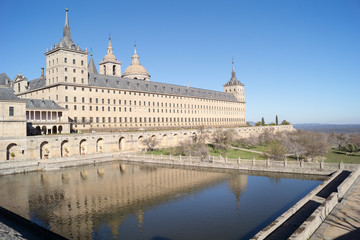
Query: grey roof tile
(7,93)
(4,79)
(37,83)
(156,87)
(42,104)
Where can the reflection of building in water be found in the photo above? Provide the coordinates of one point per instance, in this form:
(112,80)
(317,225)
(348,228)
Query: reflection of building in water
(76,203)
(237,185)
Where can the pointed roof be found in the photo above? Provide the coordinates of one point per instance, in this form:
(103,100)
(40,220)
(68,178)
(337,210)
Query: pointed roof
(233,80)
(91,66)
(66,41)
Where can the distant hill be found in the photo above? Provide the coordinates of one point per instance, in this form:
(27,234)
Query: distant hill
(329,128)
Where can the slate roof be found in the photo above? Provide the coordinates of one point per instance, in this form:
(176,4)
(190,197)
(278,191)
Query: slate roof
(91,66)
(37,83)
(156,87)
(4,79)
(42,104)
(7,94)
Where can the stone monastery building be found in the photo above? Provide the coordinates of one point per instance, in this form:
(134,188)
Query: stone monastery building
(71,95)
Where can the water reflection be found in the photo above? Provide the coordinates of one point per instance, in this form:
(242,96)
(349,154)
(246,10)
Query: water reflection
(102,201)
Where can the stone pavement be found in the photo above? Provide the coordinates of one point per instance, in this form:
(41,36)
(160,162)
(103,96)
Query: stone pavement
(344,221)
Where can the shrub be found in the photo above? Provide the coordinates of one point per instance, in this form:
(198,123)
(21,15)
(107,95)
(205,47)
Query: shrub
(12,154)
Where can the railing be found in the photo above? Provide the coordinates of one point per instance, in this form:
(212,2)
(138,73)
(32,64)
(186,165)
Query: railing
(248,163)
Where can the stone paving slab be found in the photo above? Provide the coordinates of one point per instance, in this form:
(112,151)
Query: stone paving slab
(344,221)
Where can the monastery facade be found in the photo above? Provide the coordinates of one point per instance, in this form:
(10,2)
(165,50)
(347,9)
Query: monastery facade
(110,100)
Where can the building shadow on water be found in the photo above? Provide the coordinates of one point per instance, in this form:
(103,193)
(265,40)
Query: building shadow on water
(350,236)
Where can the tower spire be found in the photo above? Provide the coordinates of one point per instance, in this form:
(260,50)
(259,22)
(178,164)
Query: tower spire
(135,57)
(66,41)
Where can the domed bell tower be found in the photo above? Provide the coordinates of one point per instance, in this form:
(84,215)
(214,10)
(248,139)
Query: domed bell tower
(110,65)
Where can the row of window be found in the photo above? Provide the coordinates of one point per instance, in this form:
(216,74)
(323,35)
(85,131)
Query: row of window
(154,104)
(158,119)
(144,94)
(149,110)
(65,61)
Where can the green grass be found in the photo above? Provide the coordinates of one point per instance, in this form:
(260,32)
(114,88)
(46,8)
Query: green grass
(235,153)
(165,151)
(335,156)
(231,153)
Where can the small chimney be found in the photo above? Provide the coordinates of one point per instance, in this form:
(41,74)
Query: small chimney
(42,72)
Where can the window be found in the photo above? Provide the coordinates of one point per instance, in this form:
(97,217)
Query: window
(74,70)
(90,108)
(74,99)
(97,119)
(65,69)
(74,79)
(73,61)
(83,119)
(83,99)
(90,100)
(83,108)
(82,62)
(103,119)
(74,107)
(66,98)
(91,119)
(65,78)
(75,119)
(11,111)
(96,100)
(65,60)
(109,119)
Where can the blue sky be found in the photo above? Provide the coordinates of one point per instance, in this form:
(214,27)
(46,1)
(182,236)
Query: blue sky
(298,59)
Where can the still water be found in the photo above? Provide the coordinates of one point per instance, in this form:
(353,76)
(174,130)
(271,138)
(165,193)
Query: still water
(126,201)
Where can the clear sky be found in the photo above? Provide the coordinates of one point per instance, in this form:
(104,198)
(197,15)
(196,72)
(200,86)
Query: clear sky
(299,59)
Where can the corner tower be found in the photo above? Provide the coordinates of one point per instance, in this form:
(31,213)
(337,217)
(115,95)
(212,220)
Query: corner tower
(65,61)
(235,87)
(110,65)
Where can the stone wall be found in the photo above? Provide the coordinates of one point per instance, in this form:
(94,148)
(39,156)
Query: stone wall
(54,146)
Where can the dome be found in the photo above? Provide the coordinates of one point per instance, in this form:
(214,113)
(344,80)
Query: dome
(135,70)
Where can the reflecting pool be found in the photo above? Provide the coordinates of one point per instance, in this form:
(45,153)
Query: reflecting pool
(127,201)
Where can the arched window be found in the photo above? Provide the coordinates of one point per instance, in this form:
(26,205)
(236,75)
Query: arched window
(114,70)
(104,70)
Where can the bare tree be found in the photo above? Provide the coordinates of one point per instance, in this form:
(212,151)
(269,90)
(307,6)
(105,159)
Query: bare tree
(187,148)
(266,137)
(202,136)
(222,138)
(150,143)
(276,150)
(292,143)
